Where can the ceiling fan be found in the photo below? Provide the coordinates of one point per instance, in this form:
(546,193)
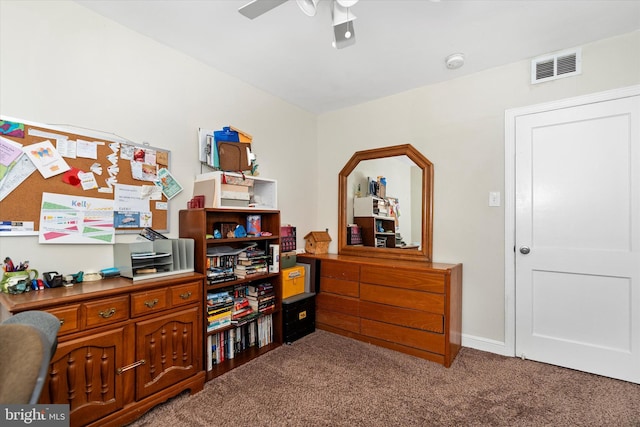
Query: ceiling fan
(343,32)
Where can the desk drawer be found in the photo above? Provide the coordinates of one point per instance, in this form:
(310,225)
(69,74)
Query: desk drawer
(149,302)
(68,317)
(185,294)
(106,311)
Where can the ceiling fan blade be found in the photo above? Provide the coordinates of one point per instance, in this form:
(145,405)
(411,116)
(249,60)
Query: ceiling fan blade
(255,8)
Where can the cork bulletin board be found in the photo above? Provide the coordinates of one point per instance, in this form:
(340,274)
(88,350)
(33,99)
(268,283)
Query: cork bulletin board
(112,160)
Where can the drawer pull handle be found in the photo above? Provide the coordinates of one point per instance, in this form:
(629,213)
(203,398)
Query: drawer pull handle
(186,295)
(108,313)
(133,365)
(151,303)
(61,322)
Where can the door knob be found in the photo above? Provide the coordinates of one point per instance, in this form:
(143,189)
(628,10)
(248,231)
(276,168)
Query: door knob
(525,250)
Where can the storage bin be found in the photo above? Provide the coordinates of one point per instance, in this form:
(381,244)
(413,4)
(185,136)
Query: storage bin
(292,281)
(299,316)
(288,259)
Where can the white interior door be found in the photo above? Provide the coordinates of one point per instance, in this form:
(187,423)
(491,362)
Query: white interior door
(577,237)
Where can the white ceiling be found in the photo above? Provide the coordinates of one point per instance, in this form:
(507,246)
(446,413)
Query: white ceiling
(401,44)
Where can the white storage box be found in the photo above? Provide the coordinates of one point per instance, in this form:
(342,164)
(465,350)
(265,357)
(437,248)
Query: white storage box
(262,193)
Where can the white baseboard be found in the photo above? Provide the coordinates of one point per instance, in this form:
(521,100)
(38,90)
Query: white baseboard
(485,344)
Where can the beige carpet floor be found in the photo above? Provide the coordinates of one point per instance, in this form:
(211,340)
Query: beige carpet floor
(327,380)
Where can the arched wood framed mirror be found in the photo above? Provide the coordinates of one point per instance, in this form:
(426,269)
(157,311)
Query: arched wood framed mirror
(402,228)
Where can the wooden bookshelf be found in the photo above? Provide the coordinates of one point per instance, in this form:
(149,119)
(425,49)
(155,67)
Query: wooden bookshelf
(199,224)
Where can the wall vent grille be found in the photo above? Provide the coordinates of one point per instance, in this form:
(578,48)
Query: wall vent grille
(555,66)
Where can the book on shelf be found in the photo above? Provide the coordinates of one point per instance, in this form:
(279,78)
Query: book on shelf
(223,315)
(251,252)
(262,265)
(215,311)
(219,275)
(219,297)
(264,306)
(261,259)
(274,258)
(260,289)
(221,261)
(219,324)
(253,331)
(251,272)
(254,225)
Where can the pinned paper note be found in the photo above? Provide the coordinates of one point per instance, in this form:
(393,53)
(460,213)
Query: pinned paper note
(46,158)
(88,180)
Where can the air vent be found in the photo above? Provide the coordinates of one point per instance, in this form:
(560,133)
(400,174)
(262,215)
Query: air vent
(551,67)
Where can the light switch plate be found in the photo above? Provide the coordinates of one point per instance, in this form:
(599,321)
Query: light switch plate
(494,198)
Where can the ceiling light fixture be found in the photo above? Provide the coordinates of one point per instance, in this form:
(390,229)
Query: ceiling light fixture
(309,7)
(343,30)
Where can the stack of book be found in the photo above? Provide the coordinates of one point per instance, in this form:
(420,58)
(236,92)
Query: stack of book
(219,310)
(220,274)
(261,297)
(241,309)
(251,261)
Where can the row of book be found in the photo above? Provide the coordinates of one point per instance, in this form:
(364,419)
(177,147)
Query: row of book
(239,304)
(225,345)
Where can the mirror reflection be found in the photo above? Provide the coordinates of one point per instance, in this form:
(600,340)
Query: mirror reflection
(380,211)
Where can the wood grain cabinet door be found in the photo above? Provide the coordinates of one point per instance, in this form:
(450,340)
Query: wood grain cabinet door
(170,347)
(83,374)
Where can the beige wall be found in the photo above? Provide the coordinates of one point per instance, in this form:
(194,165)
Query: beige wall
(71,66)
(459,126)
(63,64)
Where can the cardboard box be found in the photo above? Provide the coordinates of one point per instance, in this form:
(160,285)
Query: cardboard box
(292,281)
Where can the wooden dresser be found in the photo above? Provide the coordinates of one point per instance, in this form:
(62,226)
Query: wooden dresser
(408,306)
(123,347)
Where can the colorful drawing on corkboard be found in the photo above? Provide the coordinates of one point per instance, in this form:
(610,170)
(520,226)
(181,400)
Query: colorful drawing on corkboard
(76,219)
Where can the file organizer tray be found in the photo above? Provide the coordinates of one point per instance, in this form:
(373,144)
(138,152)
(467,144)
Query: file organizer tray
(146,260)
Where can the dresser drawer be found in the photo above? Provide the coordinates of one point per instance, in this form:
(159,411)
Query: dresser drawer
(340,270)
(347,288)
(403,278)
(149,302)
(68,317)
(106,311)
(335,303)
(408,317)
(185,294)
(424,301)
